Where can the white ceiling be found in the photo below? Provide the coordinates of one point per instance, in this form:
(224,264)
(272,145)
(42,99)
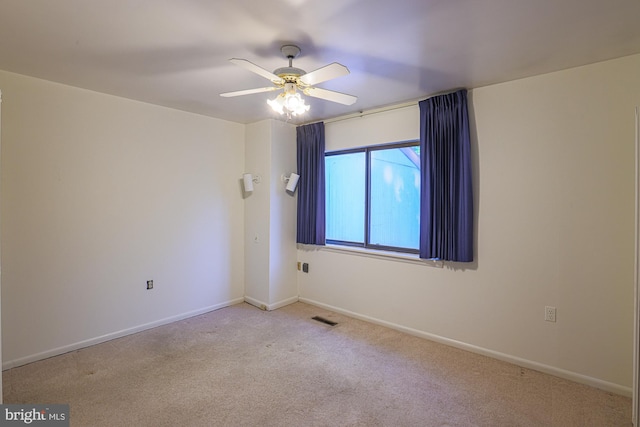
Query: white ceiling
(175,53)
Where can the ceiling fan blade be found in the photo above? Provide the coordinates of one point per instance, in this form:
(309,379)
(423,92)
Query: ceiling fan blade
(248,65)
(325,73)
(330,95)
(249,91)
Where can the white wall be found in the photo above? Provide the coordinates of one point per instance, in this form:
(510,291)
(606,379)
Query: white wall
(554,190)
(257,214)
(100,194)
(270,216)
(283,206)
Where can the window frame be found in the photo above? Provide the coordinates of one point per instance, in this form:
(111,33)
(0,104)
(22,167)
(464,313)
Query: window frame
(367,217)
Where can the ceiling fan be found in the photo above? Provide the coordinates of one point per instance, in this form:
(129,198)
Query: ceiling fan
(291,80)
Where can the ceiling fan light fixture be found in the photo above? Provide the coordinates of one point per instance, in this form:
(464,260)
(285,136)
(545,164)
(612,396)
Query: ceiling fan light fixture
(277,103)
(291,103)
(295,104)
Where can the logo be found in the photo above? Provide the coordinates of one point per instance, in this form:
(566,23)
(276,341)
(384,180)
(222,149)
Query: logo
(34,415)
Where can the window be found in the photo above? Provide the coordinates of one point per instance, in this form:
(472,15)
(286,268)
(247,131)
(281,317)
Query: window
(373,197)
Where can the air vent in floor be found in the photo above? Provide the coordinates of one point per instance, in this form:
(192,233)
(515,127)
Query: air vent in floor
(325,321)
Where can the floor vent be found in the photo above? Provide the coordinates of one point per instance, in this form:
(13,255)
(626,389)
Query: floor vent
(323,320)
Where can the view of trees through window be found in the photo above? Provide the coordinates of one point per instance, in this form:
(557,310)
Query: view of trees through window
(373,197)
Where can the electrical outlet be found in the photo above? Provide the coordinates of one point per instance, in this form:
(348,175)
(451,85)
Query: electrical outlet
(550,314)
(149,284)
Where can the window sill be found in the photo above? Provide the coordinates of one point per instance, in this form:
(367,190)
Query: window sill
(392,256)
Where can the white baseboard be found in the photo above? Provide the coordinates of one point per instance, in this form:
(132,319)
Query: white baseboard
(547,369)
(256,303)
(97,340)
(268,307)
(282,303)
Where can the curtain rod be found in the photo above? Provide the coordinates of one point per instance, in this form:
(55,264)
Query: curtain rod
(365,113)
(370,112)
(379,110)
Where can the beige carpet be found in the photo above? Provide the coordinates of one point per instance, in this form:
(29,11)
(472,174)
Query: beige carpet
(240,366)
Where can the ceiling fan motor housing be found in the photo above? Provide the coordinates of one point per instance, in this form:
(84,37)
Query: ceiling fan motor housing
(283,72)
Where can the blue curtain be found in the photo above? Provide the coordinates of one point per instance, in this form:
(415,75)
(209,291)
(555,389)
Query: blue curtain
(311,203)
(446,199)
